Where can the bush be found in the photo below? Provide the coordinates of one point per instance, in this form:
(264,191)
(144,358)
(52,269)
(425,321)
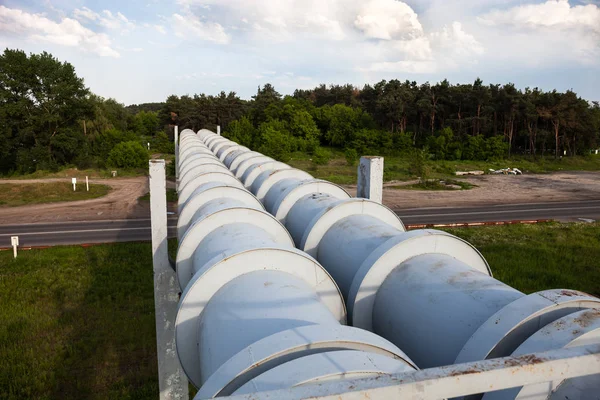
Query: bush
(162,144)
(275,142)
(321,156)
(417,164)
(351,156)
(128,155)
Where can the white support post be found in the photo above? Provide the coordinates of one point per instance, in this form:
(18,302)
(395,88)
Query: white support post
(74,182)
(219,130)
(172,382)
(87,184)
(370,178)
(176,137)
(14,241)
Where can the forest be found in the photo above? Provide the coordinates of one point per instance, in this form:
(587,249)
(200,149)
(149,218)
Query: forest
(50,119)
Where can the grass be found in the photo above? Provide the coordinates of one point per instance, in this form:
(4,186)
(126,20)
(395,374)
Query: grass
(171,196)
(397,167)
(541,256)
(79,322)
(80,173)
(436,184)
(19,194)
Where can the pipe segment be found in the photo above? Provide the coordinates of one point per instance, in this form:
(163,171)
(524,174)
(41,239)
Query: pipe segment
(428,292)
(252,303)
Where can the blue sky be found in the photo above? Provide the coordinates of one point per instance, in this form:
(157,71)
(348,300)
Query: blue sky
(143,50)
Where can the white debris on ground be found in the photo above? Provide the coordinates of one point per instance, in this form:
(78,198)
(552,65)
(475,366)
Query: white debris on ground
(462,173)
(506,171)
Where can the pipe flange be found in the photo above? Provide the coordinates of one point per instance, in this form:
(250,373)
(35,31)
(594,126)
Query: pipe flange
(219,141)
(229,158)
(204,194)
(186,191)
(247,163)
(205,225)
(212,277)
(213,139)
(322,222)
(289,345)
(344,364)
(504,331)
(222,145)
(265,181)
(576,329)
(203,169)
(253,171)
(196,156)
(228,150)
(240,158)
(398,249)
(203,133)
(193,149)
(197,162)
(291,195)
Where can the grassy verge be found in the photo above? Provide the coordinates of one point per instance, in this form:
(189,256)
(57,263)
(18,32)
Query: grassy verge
(81,173)
(171,196)
(338,171)
(542,256)
(78,323)
(13,194)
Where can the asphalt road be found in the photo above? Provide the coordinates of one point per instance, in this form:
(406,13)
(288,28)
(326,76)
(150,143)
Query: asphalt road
(50,234)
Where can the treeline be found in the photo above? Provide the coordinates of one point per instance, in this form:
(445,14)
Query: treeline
(453,122)
(49,119)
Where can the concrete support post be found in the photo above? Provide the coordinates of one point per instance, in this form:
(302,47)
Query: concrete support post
(370,178)
(176,137)
(172,383)
(219,130)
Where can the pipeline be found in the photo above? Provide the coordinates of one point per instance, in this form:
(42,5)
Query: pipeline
(430,293)
(256,313)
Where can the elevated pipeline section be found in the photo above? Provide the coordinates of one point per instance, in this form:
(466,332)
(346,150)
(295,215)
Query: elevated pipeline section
(430,293)
(256,313)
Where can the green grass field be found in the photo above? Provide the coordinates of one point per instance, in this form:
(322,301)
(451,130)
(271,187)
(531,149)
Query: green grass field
(397,167)
(18,194)
(78,323)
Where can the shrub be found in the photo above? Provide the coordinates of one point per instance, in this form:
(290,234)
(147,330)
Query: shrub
(128,155)
(321,156)
(351,156)
(162,144)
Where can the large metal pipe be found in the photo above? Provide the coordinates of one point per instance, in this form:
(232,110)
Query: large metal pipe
(430,293)
(252,303)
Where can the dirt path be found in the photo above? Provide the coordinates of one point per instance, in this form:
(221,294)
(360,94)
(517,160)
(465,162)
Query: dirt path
(500,189)
(122,202)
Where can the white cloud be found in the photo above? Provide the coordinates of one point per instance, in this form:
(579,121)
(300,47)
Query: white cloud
(191,27)
(552,13)
(388,19)
(554,31)
(160,29)
(107,19)
(454,40)
(67,32)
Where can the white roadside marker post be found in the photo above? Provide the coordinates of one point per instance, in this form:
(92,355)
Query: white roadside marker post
(74,182)
(219,130)
(14,241)
(87,184)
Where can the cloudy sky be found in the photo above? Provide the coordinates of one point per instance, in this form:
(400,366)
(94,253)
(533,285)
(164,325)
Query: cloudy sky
(143,50)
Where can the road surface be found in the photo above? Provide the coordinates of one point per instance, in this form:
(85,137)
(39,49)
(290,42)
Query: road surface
(50,234)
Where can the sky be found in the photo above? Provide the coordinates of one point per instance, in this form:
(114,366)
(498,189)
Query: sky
(139,51)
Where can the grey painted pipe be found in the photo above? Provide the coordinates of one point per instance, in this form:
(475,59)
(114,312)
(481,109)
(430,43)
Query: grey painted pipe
(252,302)
(428,292)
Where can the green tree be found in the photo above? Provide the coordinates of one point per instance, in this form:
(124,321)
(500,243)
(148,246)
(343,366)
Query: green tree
(145,123)
(42,101)
(128,155)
